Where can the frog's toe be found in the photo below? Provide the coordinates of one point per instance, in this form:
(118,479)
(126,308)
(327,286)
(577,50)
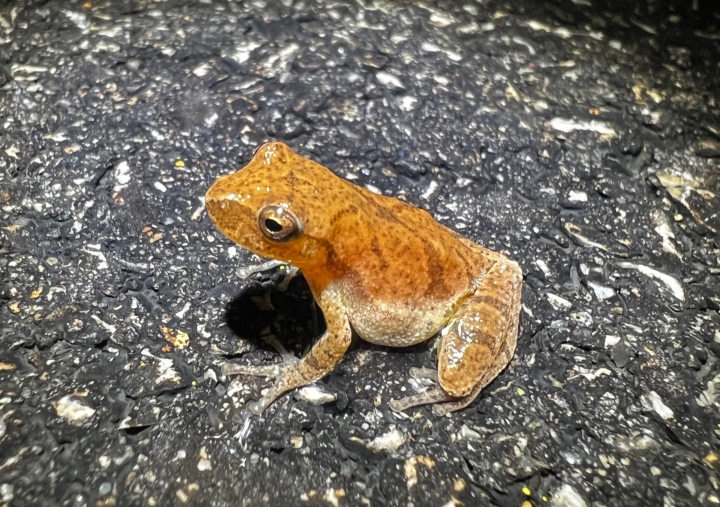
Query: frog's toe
(256,371)
(436,395)
(424,373)
(272,394)
(398,405)
(452,406)
(455,404)
(287,357)
(286,379)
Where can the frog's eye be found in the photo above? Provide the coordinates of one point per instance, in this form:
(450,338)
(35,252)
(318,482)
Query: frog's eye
(278,223)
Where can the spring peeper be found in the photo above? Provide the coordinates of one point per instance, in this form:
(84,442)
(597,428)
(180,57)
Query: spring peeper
(375,265)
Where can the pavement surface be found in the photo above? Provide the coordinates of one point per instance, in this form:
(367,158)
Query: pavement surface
(580,137)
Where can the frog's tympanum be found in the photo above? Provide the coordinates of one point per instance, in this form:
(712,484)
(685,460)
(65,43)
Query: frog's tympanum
(377,265)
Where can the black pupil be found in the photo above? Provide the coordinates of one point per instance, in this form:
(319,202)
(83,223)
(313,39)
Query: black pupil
(273,225)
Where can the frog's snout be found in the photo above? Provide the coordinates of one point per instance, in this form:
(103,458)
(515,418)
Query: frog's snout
(219,200)
(217,191)
(214,206)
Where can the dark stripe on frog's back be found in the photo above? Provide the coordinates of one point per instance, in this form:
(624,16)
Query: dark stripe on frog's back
(385,208)
(435,271)
(439,273)
(390,216)
(420,223)
(402,219)
(416,267)
(352,209)
(405,219)
(291,179)
(379,253)
(382,206)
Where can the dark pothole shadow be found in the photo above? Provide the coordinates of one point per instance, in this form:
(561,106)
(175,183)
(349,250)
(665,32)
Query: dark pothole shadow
(262,310)
(296,321)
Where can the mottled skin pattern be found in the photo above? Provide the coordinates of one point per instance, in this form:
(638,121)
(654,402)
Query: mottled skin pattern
(377,265)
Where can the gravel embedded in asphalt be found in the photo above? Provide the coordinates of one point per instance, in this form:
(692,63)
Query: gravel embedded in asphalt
(580,137)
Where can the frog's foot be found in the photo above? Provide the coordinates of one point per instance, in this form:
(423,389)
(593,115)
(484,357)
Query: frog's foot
(278,371)
(321,360)
(255,371)
(286,379)
(435,395)
(288,359)
(456,403)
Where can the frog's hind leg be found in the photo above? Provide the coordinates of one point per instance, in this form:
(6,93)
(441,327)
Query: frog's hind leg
(435,395)
(455,404)
(480,340)
(477,344)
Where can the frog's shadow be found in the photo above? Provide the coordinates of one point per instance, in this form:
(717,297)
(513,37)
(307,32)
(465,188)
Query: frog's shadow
(262,309)
(292,316)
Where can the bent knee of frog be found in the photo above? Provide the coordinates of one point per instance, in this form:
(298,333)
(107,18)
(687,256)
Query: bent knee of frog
(459,377)
(455,383)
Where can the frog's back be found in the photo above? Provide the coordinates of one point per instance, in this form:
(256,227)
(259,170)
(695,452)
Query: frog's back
(408,273)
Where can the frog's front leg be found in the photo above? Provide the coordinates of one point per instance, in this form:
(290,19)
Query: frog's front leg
(321,360)
(477,343)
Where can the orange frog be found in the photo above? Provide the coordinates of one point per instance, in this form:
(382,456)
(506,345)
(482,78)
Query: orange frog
(377,265)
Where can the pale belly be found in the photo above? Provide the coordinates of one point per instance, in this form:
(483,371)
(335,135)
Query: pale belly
(394,325)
